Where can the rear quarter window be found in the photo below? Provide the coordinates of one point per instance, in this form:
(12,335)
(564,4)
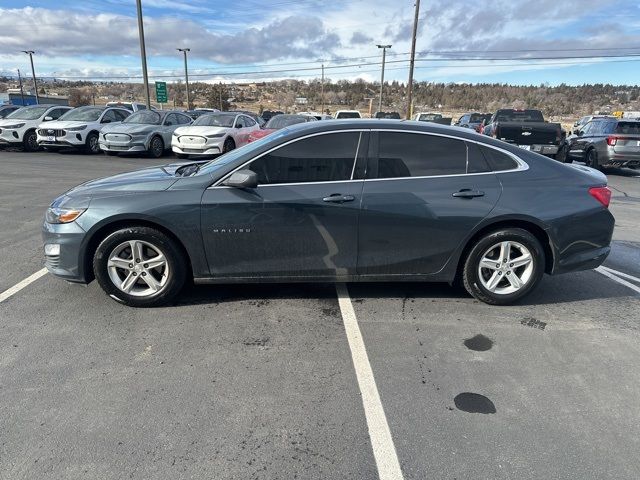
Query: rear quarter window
(497,160)
(632,128)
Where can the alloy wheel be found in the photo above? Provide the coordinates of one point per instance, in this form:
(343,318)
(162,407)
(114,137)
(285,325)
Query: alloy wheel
(138,268)
(156,147)
(505,267)
(93,144)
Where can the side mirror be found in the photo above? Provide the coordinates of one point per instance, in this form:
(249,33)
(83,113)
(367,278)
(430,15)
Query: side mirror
(580,133)
(48,118)
(238,126)
(106,120)
(242,179)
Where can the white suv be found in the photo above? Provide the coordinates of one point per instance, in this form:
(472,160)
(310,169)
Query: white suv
(79,128)
(347,114)
(19,127)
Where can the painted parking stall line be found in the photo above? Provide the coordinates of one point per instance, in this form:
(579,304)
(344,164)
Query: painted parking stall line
(384,451)
(618,277)
(20,285)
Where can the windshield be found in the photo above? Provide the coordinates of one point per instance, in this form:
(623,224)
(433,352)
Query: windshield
(28,113)
(146,118)
(83,114)
(215,120)
(348,115)
(520,116)
(632,128)
(281,121)
(430,116)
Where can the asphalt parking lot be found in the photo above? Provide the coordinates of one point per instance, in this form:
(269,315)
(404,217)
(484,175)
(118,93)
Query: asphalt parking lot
(266,381)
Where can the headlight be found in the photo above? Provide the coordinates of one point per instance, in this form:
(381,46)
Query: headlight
(14,126)
(215,135)
(62,215)
(76,129)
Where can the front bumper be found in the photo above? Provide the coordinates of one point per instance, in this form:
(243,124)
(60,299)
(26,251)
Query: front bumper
(123,147)
(195,149)
(70,140)
(68,263)
(10,137)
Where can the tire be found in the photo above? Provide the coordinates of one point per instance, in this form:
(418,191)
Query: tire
(139,284)
(563,155)
(229,145)
(91,145)
(479,280)
(156,147)
(591,159)
(30,141)
(183,156)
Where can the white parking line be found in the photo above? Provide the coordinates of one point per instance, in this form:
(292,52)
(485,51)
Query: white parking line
(605,271)
(384,451)
(20,285)
(621,274)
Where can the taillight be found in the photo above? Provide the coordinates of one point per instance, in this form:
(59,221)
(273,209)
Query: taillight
(612,140)
(602,194)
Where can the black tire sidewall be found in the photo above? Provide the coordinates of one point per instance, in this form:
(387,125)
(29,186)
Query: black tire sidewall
(229,145)
(470,273)
(27,146)
(172,253)
(87,146)
(151,149)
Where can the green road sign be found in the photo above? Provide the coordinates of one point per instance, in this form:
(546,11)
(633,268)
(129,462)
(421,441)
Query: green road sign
(161,92)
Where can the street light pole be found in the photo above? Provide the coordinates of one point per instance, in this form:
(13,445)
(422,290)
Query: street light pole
(33,73)
(322,90)
(413,60)
(186,73)
(384,56)
(21,90)
(143,54)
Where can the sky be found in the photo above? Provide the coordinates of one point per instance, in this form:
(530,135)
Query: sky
(465,41)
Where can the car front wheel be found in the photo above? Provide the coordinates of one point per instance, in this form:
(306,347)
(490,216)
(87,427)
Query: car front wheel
(504,266)
(30,141)
(156,147)
(140,267)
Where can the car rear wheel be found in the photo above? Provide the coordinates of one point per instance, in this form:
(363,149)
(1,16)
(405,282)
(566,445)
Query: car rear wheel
(91,145)
(140,267)
(229,145)
(30,141)
(504,266)
(592,159)
(156,147)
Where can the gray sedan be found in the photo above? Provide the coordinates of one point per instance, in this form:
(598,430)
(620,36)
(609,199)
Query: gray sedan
(357,200)
(147,131)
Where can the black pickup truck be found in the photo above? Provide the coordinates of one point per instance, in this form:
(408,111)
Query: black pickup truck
(527,129)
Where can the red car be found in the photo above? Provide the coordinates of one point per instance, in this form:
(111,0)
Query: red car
(278,122)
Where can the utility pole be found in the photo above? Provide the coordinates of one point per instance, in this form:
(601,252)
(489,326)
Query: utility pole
(220,93)
(384,56)
(322,90)
(413,60)
(186,73)
(143,54)
(33,73)
(21,90)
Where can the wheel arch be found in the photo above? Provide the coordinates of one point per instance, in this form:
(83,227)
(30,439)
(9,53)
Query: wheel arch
(524,223)
(104,230)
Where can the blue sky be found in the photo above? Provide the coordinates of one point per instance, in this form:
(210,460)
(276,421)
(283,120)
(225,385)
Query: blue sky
(272,39)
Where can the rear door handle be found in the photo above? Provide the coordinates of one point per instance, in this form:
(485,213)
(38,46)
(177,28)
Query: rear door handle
(468,193)
(338,198)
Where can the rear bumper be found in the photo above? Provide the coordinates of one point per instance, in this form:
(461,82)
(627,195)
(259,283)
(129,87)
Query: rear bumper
(585,260)
(613,159)
(541,149)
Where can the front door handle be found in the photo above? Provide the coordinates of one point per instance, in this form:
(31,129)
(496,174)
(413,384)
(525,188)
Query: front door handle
(338,198)
(468,193)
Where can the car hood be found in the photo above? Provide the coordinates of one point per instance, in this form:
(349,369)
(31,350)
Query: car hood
(129,128)
(152,179)
(14,121)
(201,130)
(60,124)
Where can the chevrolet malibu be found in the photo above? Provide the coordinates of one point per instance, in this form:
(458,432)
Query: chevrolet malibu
(359,200)
(146,131)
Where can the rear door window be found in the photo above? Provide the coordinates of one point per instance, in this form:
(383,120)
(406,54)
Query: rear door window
(321,158)
(418,155)
(498,161)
